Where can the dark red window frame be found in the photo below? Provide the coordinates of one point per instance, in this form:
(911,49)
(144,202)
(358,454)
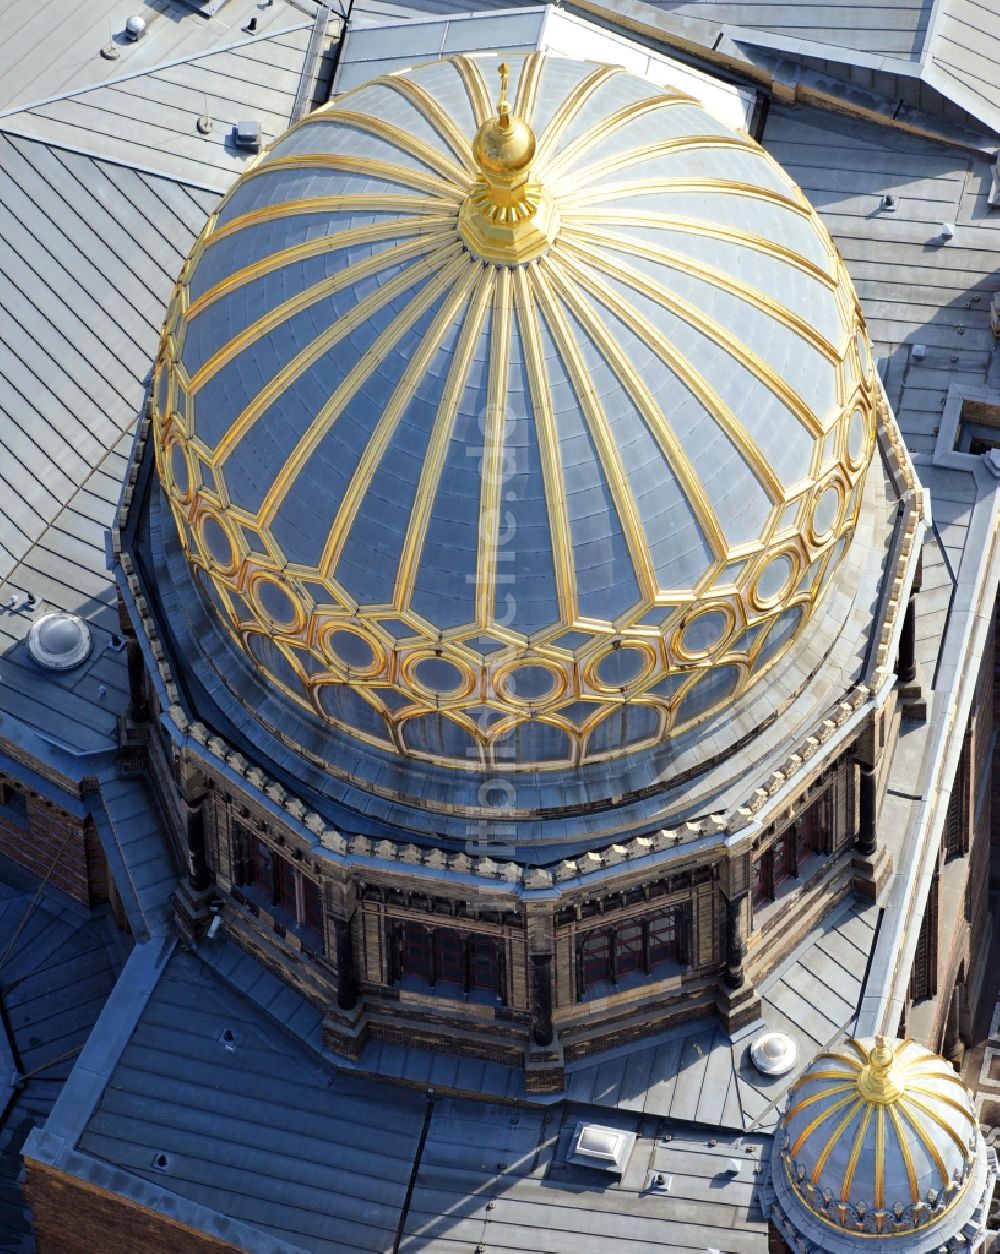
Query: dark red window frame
(605,954)
(275,878)
(783,859)
(447,956)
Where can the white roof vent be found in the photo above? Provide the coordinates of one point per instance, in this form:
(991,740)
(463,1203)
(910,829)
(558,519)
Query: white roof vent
(247,135)
(135,27)
(59,641)
(774,1053)
(607,1149)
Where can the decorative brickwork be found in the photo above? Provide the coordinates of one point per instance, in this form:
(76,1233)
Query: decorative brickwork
(775,1241)
(46,840)
(73,1217)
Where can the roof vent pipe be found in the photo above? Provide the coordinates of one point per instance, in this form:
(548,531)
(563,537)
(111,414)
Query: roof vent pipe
(135,28)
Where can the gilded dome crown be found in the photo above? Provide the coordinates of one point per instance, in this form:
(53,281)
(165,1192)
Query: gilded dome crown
(504,144)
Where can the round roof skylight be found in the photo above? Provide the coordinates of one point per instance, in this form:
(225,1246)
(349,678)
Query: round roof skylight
(59,641)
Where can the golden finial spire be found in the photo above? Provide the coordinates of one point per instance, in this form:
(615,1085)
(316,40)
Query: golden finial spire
(503,109)
(879,1081)
(506,218)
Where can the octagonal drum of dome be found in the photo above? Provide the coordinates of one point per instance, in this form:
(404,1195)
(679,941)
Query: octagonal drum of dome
(541,483)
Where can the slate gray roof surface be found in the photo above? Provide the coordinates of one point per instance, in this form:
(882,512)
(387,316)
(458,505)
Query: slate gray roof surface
(260,1131)
(914,288)
(138,851)
(148,119)
(893,27)
(922,55)
(89,252)
(266,1133)
(370,49)
(52,47)
(57,967)
(961,54)
(497,1179)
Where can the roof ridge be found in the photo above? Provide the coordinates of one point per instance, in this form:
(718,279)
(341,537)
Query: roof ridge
(153,69)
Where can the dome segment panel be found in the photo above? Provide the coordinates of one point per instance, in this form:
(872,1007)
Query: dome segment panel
(640,410)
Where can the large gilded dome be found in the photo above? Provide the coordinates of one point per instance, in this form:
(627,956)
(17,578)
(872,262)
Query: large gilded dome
(526,434)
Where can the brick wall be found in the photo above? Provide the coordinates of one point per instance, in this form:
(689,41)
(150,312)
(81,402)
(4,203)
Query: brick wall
(73,1217)
(775,1241)
(43,839)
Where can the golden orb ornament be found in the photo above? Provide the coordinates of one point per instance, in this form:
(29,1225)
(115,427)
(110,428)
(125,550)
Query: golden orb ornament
(507,219)
(504,144)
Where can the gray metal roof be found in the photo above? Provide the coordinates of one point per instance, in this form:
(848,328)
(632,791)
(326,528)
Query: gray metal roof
(258,1131)
(891,27)
(914,288)
(138,850)
(147,119)
(961,55)
(52,47)
(499,1179)
(933,55)
(268,1135)
(57,967)
(371,47)
(89,252)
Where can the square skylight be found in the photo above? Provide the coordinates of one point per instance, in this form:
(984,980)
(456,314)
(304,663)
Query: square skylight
(595,1145)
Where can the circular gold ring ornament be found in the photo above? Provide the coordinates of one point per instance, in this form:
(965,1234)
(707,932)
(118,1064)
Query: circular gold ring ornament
(704,632)
(217,543)
(861,347)
(856,438)
(180,477)
(518,682)
(437,677)
(775,579)
(352,651)
(267,594)
(826,511)
(616,670)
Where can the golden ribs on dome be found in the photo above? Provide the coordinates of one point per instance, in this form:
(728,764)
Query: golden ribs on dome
(680,380)
(879,1137)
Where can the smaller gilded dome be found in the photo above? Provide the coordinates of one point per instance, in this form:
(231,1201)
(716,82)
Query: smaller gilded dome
(880,1137)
